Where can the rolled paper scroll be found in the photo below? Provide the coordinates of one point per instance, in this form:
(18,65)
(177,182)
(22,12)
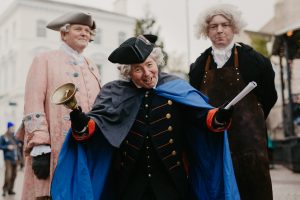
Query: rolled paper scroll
(242,94)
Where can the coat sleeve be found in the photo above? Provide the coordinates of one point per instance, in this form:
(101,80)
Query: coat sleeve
(269,94)
(3,144)
(35,123)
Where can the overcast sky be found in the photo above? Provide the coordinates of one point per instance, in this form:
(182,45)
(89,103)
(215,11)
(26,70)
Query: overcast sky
(171,18)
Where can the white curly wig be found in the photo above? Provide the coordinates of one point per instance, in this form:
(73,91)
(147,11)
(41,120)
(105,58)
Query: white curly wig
(156,54)
(229,11)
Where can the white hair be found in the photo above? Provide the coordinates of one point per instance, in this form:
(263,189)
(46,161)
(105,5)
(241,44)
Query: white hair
(156,54)
(230,12)
(66,28)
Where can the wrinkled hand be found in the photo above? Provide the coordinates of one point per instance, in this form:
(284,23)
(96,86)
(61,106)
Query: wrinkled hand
(78,119)
(223,116)
(41,165)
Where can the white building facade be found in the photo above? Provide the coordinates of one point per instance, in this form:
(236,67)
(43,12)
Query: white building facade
(23,35)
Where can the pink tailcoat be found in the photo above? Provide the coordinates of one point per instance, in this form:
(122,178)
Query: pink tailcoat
(46,123)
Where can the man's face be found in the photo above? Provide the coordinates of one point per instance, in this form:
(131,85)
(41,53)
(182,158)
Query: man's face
(78,37)
(11,129)
(220,31)
(145,74)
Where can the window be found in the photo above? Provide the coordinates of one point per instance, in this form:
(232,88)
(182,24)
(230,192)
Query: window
(98,36)
(41,28)
(121,37)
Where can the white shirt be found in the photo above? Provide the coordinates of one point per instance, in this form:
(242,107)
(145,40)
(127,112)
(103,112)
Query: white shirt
(221,56)
(78,57)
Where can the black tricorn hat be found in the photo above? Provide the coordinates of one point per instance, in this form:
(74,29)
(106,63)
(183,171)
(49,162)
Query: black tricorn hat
(151,38)
(133,50)
(76,17)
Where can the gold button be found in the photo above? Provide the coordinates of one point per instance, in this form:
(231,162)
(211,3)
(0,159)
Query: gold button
(168,116)
(174,153)
(146,95)
(170,128)
(126,141)
(146,105)
(178,163)
(171,141)
(124,153)
(149,175)
(170,102)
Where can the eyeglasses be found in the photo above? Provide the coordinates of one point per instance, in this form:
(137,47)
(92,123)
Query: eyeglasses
(214,27)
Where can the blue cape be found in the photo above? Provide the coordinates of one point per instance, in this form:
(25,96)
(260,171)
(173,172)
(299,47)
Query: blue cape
(82,168)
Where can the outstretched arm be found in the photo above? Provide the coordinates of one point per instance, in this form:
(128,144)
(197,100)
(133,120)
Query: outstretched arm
(83,127)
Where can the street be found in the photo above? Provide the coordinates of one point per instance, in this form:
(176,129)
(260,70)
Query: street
(286,184)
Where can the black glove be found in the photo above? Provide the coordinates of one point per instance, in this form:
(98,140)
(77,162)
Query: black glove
(223,116)
(41,165)
(79,119)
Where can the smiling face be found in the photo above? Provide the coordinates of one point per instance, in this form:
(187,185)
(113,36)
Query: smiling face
(145,74)
(78,37)
(220,31)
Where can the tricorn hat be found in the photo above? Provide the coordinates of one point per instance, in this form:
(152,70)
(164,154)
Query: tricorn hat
(72,18)
(151,38)
(133,50)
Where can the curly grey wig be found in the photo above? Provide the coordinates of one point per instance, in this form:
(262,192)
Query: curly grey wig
(156,54)
(229,11)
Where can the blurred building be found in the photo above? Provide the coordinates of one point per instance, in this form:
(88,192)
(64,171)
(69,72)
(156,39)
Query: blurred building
(286,20)
(23,35)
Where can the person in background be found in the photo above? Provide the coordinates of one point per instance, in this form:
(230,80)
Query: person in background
(270,152)
(9,146)
(158,137)
(45,124)
(221,72)
(20,154)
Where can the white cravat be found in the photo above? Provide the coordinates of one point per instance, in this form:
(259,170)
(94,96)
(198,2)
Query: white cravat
(78,58)
(221,56)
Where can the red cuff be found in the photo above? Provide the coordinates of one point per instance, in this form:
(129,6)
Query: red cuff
(210,122)
(89,132)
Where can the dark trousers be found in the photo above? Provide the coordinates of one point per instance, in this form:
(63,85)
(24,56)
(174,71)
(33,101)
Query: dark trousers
(10,175)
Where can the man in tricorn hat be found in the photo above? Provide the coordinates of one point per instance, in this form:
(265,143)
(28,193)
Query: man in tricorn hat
(150,136)
(46,124)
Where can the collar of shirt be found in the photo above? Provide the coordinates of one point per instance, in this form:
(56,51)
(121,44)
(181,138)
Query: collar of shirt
(78,59)
(221,56)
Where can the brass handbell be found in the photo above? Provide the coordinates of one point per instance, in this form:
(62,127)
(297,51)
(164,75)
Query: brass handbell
(65,94)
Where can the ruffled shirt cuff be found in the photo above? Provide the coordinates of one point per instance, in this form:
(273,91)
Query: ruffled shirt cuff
(39,150)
